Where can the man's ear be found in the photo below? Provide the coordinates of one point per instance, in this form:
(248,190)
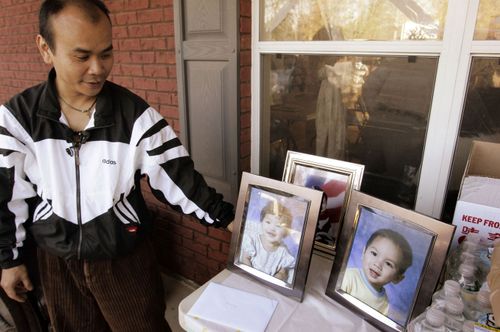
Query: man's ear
(399,278)
(44,49)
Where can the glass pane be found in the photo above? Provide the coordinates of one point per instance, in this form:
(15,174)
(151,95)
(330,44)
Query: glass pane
(488,20)
(352,19)
(369,110)
(480,121)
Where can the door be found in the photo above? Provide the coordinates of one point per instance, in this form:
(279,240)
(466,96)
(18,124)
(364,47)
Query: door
(207,76)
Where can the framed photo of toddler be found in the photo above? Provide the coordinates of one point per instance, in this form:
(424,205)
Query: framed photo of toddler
(389,261)
(336,178)
(273,233)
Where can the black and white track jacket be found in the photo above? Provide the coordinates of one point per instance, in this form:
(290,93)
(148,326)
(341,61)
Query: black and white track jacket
(78,194)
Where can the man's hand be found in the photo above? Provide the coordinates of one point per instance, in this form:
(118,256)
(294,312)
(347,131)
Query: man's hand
(16,283)
(230,227)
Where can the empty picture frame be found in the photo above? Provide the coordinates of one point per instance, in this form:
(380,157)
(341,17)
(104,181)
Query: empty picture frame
(389,261)
(273,233)
(336,178)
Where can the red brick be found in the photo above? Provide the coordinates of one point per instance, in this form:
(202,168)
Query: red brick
(125,18)
(155,70)
(174,99)
(169,112)
(246,8)
(153,44)
(120,32)
(169,14)
(186,233)
(217,255)
(192,223)
(210,264)
(245,104)
(150,16)
(122,57)
(161,3)
(225,248)
(245,120)
(245,57)
(136,4)
(137,31)
(245,25)
(169,214)
(142,57)
(195,246)
(167,57)
(167,85)
(208,241)
(129,45)
(219,233)
(245,73)
(134,70)
(245,148)
(144,83)
(163,29)
(159,97)
(245,135)
(172,71)
(245,89)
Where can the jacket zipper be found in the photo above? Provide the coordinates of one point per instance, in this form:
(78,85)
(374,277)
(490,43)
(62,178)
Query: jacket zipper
(78,140)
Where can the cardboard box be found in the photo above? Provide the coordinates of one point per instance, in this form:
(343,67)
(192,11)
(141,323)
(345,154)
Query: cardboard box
(473,216)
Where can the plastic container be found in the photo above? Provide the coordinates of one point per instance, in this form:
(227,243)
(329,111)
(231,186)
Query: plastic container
(432,320)
(454,318)
(467,278)
(480,307)
(468,326)
(451,288)
(468,251)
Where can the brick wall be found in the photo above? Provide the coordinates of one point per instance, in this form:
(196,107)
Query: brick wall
(144,45)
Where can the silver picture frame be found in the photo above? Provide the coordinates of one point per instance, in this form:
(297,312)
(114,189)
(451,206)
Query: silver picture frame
(418,245)
(283,266)
(336,178)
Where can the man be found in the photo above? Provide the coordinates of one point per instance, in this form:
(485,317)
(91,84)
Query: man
(72,152)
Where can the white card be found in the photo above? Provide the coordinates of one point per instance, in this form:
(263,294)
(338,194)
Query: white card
(233,308)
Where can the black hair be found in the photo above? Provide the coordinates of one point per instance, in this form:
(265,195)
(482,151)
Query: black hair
(50,8)
(400,241)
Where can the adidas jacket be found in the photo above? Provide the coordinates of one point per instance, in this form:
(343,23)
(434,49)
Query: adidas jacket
(78,194)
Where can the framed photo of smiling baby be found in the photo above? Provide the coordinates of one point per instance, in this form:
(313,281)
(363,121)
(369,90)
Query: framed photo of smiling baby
(388,262)
(273,233)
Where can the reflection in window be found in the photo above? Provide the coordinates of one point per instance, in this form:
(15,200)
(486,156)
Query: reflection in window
(367,110)
(353,19)
(480,121)
(488,20)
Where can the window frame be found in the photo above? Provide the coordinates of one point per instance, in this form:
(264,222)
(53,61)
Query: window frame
(454,52)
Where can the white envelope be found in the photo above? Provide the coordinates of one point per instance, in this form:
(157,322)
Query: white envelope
(233,308)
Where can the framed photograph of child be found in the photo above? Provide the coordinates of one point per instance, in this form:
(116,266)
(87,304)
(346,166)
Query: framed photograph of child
(336,178)
(389,260)
(273,233)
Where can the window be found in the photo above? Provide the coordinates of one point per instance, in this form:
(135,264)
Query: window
(480,120)
(377,82)
(352,19)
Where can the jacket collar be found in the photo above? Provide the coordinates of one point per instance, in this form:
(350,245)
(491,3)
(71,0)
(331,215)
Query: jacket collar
(50,108)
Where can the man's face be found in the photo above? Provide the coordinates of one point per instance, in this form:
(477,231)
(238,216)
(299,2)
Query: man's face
(273,228)
(82,54)
(381,261)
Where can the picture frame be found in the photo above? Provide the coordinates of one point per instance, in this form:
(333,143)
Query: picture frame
(273,233)
(336,178)
(413,245)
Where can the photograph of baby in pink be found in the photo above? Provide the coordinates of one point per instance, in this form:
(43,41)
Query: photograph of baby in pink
(272,233)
